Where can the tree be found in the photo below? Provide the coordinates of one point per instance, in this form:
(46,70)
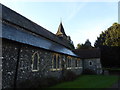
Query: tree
(110,37)
(79,46)
(86,45)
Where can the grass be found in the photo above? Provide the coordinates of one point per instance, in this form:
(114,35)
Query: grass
(118,69)
(89,81)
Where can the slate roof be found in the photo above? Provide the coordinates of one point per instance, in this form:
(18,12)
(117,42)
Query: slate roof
(88,53)
(21,21)
(61,30)
(18,28)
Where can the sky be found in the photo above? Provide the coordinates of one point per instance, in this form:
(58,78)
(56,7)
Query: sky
(81,19)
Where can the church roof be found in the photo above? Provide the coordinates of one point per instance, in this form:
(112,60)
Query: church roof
(21,21)
(88,53)
(61,30)
(18,28)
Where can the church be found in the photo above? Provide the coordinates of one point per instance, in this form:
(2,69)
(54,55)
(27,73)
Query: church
(29,50)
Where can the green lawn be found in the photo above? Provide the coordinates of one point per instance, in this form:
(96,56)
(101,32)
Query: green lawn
(118,69)
(89,81)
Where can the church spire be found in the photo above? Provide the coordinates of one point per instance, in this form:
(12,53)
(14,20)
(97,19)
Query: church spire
(61,31)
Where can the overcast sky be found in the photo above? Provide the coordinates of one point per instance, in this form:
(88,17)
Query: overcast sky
(81,20)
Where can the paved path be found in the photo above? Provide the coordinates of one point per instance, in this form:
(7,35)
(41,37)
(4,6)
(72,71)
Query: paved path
(117,85)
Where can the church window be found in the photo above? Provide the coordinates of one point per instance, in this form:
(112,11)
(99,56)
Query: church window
(90,63)
(54,61)
(35,61)
(58,62)
(66,62)
(76,63)
(69,62)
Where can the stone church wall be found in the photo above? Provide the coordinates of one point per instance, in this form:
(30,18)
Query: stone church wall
(93,64)
(9,61)
(18,63)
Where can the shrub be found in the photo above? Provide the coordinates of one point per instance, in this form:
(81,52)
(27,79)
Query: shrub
(38,83)
(47,82)
(89,72)
(25,84)
(69,75)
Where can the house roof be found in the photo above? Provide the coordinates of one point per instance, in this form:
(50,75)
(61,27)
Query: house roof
(13,17)
(18,28)
(61,30)
(88,53)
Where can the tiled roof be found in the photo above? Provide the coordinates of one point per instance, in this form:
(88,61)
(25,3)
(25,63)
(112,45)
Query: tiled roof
(88,53)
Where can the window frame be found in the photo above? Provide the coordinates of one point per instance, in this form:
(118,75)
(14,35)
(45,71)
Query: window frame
(38,58)
(90,63)
(56,64)
(76,63)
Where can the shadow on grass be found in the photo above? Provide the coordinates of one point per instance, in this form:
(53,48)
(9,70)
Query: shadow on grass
(89,81)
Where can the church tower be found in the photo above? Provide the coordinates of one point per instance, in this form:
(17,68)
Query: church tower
(61,32)
(62,35)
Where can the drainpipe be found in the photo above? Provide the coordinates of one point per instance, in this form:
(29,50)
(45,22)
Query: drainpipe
(17,64)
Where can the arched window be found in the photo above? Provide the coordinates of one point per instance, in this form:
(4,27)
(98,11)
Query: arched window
(58,62)
(54,61)
(35,61)
(70,62)
(67,65)
(76,63)
(90,63)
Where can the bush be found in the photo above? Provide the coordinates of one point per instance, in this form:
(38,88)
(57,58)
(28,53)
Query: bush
(25,84)
(69,75)
(89,72)
(47,82)
(38,83)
